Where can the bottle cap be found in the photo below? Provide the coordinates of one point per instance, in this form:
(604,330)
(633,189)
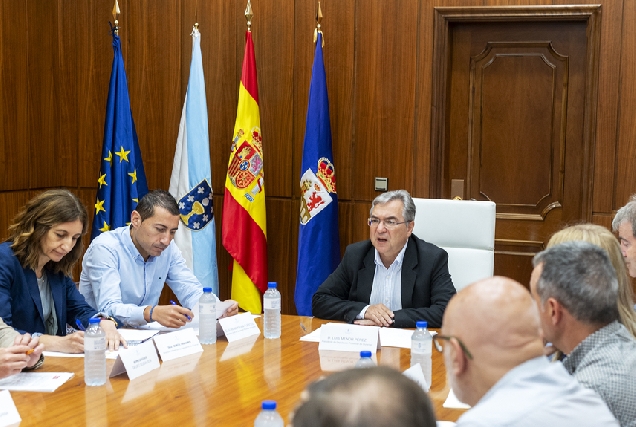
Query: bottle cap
(269,405)
(421,324)
(272,284)
(94,320)
(365,353)
(207,290)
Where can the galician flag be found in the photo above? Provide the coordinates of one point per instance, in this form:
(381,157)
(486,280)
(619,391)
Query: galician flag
(122,180)
(244,225)
(191,178)
(318,241)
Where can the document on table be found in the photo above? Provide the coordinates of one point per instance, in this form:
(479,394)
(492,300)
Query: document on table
(109,354)
(221,306)
(453,402)
(35,381)
(313,336)
(389,337)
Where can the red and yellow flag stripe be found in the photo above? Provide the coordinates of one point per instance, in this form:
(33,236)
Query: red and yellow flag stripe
(244,222)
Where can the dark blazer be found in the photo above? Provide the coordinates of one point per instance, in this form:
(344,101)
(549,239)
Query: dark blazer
(426,285)
(20,304)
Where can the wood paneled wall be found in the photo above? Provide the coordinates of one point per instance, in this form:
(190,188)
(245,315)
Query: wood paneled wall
(55,59)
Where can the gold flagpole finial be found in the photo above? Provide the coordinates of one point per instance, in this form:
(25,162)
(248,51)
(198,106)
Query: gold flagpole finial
(195,29)
(318,29)
(116,13)
(249,15)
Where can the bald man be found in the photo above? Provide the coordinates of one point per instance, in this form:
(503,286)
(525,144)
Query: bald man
(493,351)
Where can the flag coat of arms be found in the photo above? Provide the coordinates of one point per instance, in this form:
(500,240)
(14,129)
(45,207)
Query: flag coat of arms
(244,221)
(318,240)
(191,178)
(122,180)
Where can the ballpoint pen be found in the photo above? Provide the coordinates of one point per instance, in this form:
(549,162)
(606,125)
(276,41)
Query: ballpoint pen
(174,303)
(79,325)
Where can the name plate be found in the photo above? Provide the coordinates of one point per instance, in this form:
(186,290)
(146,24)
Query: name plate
(348,337)
(177,344)
(8,412)
(137,360)
(239,326)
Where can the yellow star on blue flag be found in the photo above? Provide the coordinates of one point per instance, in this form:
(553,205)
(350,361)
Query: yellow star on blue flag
(117,193)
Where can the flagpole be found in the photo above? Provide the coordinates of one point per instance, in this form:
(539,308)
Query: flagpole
(318,30)
(116,13)
(249,15)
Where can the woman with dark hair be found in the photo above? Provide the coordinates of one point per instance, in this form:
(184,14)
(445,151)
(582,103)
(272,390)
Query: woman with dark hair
(36,293)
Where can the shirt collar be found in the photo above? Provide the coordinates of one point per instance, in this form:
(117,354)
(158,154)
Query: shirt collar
(130,246)
(574,358)
(398,259)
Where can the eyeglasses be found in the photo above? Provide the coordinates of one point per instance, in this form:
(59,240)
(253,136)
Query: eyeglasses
(438,344)
(388,223)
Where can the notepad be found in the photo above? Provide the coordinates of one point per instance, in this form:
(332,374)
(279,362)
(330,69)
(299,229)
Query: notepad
(35,381)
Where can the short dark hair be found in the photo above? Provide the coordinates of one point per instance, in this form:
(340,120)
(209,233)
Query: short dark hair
(156,199)
(36,218)
(370,397)
(580,276)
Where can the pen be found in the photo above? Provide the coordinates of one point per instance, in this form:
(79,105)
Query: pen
(174,303)
(29,351)
(79,325)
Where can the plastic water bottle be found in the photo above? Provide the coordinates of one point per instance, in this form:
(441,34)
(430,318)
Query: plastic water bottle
(271,311)
(94,354)
(422,349)
(207,317)
(268,417)
(365,360)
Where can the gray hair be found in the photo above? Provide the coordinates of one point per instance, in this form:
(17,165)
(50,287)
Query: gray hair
(408,212)
(626,214)
(580,276)
(343,400)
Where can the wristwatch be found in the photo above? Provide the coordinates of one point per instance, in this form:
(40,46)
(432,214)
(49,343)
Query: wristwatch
(104,316)
(37,365)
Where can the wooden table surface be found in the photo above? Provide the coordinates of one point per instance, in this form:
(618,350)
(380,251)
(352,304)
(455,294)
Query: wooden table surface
(223,386)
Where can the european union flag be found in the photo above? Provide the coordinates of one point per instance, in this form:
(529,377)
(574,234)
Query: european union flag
(318,241)
(122,180)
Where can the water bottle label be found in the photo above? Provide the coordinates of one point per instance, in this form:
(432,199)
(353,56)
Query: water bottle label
(271,304)
(95,344)
(207,309)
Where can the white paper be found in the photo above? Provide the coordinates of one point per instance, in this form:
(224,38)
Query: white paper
(453,402)
(415,373)
(239,326)
(348,337)
(396,337)
(8,412)
(177,344)
(35,381)
(112,355)
(313,336)
(445,424)
(136,336)
(137,360)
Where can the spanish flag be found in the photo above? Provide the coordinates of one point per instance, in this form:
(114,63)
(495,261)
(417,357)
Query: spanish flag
(244,224)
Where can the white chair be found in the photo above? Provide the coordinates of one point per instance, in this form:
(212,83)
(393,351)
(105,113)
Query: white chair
(465,229)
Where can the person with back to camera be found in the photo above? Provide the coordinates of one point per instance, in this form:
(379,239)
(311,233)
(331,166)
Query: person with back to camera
(36,293)
(358,397)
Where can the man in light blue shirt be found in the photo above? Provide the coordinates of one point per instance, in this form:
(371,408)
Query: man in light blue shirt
(493,352)
(124,270)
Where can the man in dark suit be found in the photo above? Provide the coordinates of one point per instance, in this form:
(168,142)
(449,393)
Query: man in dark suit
(393,279)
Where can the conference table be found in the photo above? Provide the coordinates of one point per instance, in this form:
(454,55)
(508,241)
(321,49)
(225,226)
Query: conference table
(222,386)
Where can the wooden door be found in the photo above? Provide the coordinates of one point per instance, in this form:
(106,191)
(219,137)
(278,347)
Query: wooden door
(516,130)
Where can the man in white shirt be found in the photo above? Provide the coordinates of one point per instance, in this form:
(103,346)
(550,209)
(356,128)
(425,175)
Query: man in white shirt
(124,270)
(493,352)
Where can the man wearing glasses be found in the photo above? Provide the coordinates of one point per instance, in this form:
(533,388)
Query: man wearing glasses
(393,279)
(493,352)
